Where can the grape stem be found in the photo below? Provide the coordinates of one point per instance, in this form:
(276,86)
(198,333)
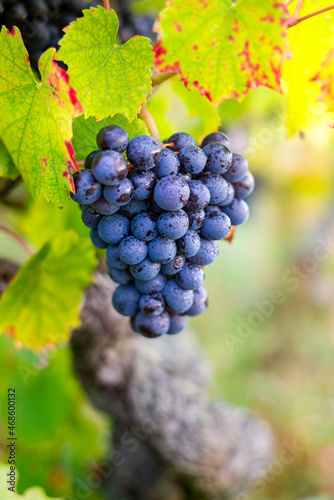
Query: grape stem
(17,238)
(106,5)
(293,21)
(146,116)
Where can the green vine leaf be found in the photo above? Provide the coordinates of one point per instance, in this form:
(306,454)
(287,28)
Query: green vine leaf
(7,167)
(243,47)
(36,119)
(41,304)
(85,131)
(109,78)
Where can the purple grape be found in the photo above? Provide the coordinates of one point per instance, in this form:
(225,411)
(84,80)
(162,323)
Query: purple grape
(119,194)
(87,188)
(109,167)
(238,168)
(219,158)
(193,159)
(143,182)
(171,193)
(126,300)
(173,225)
(112,137)
(144,152)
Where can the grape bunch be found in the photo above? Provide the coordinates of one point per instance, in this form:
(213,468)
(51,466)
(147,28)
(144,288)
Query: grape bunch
(159,215)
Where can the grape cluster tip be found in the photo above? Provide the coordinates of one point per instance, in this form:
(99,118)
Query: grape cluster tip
(159,212)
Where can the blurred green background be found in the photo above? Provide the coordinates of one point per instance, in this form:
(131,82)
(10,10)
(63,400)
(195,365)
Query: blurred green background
(280,367)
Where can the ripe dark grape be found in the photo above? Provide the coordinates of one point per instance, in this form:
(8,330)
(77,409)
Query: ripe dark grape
(180,140)
(173,225)
(193,159)
(120,194)
(238,168)
(162,250)
(177,299)
(87,188)
(216,137)
(168,164)
(219,158)
(245,186)
(132,251)
(126,300)
(112,137)
(171,193)
(143,182)
(161,219)
(144,152)
(109,167)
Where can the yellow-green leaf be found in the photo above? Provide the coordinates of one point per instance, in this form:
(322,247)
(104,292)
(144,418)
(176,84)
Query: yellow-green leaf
(36,119)
(7,167)
(310,42)
(109,78)
(223,48)
(86,130)
(41,304)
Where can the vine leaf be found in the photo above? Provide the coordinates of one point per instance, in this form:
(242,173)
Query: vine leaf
(7,167)
(36,119)
(325,78)
(243,47)
(109,78)
(35,493)
(41,304)
(310,43)
(85,131)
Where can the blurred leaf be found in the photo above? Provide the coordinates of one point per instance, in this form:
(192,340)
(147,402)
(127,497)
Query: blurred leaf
(109,78)
(36,119)
(7,167)
(35,493)
(243,47)
(310,42)
(40,305)
(325,78)
(85,131)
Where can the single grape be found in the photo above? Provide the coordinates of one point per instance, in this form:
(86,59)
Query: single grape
(119,194)
(146,270)
(126,300)
(180,140)
(134,207)
(113,228)
(96,239)
(178,322)
(237,211)
(217,186)
(161,250)
(245,186)
(171,193)
(144,152)
(217,226)
(120,276)
(152,305)
(219,158)
(132,251)
(200,302)
(89,160)
(154,285)
(177,299)
(199,196)
(113,258)
(174,266)
(196,219)
(190,277)
(143,182)
(192,159)
(87,188)
(152,326)
(168,164)
(112,137)
(144,226)
(90,218)
(216,137)
(207,253)
(109,167)
(189,244)
(103,207)
(229,197)
(238,168)
(173,225)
